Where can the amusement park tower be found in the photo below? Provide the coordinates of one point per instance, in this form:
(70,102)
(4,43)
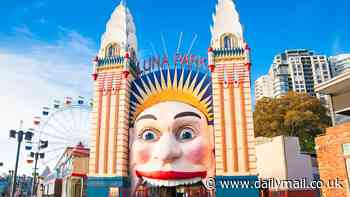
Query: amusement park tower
(114,69)
(229,62)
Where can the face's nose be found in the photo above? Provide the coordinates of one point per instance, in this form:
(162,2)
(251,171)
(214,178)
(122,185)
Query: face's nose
(167,149)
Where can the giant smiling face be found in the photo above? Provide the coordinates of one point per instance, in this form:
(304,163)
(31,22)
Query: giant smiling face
(172,145)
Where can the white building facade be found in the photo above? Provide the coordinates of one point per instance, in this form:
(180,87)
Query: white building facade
(339,64)
(299,70)
(263,87)
(288,162)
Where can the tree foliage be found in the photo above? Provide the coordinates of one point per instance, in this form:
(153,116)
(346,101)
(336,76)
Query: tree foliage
(295,114)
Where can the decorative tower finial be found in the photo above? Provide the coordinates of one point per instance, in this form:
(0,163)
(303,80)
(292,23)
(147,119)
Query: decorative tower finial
(211,64)
(120,33)
(226,23)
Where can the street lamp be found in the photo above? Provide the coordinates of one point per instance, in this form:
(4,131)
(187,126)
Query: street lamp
(37,156)
(19,135)
(10,179)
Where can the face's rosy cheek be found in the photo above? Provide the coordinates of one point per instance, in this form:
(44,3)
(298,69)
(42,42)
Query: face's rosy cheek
(142,155)
(196,153)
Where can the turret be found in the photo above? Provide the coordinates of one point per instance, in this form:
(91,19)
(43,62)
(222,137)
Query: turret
(94,70)
(211,64)
(126,66)
(109,156)
(229,62)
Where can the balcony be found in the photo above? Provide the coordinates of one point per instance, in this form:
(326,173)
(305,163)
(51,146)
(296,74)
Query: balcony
(110,60)
(221,52)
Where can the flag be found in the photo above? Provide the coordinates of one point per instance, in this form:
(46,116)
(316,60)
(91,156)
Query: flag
(80,100)
(68,101)
(46,111)
(37,120)
(56,104)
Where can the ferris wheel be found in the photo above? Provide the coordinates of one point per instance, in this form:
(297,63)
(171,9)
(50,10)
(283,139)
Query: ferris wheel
(66,123)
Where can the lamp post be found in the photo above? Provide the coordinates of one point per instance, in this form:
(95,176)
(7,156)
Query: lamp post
(37,156)
(10,180)
(20,135)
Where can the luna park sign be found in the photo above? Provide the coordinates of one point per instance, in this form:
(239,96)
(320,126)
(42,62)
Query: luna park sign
(190,61)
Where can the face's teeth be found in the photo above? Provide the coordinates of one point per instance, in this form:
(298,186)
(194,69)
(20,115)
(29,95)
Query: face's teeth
(172,183)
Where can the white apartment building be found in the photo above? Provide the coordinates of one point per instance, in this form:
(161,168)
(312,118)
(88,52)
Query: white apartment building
(299,71)
(339,64)
(263,87)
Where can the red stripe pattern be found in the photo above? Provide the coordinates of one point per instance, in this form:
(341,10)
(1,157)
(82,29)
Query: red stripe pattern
(232,74)
(109,81)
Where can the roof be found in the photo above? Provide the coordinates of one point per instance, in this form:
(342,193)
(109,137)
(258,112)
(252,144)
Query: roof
(77,151)
(337,85)
(339,89)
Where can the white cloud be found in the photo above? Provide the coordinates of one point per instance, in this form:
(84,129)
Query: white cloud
(32,74)
(336,45)
(23,30)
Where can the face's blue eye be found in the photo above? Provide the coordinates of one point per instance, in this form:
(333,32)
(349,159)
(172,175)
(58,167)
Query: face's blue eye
(186,134)
(149,135)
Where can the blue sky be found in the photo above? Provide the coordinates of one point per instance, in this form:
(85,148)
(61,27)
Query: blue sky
(270,26)
(46,46)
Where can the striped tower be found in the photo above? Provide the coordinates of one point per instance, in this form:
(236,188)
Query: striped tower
(229,62)
(114,69)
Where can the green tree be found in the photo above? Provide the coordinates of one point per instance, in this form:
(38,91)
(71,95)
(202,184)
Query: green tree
(295,114)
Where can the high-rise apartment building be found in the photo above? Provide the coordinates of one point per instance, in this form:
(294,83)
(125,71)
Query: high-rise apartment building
(263,87)
(299,71)
(339,64)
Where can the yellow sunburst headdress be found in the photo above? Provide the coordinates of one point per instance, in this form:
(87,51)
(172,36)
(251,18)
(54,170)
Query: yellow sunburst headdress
(172,84)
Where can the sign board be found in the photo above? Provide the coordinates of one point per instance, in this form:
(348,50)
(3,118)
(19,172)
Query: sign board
(156,62)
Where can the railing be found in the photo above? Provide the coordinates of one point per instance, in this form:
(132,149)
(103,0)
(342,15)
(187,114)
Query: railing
(115,60)
(229,52)
(110,60)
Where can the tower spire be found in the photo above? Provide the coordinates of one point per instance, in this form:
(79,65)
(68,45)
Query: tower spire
(225,21)
(120,31)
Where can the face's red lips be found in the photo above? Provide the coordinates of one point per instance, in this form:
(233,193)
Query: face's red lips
(171,175)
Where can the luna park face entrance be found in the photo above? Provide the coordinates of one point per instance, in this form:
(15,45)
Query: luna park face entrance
(178,191)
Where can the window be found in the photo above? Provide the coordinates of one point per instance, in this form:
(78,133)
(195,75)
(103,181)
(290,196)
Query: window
(346,149)
(324,66)
(227,42)
(112,50)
